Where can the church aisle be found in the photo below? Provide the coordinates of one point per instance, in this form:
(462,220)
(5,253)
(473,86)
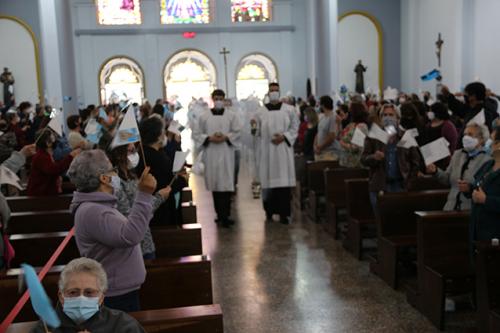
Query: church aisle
(276,278)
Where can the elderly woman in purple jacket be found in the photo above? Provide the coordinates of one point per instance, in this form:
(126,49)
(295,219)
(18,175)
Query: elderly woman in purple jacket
(103,233)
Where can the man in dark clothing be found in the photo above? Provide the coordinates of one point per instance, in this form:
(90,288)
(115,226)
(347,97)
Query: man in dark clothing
(475,102)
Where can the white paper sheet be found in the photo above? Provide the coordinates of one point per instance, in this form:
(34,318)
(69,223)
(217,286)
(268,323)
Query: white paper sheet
(179,160)
(358,138)
(175,127)
(435,151)
(478,119)
(378,134)
(408,139)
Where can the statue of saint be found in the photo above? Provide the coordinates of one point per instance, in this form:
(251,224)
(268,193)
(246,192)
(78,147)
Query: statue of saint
(8,87)
(360,81)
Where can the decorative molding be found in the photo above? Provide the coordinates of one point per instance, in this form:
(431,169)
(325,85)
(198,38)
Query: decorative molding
(175,30)
(37,52)
(380,33)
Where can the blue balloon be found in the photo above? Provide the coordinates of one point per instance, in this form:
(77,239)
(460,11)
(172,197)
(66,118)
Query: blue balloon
(39,299)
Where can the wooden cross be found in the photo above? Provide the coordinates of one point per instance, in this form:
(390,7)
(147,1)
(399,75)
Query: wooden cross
(439,46)
(225,52)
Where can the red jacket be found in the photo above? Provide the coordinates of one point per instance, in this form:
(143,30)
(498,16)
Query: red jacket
(45,174)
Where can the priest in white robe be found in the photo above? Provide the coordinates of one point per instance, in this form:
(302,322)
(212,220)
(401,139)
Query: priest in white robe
(277,125)
(217,135)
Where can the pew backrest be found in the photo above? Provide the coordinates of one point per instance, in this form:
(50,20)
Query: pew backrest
(335,190)
(396,210)
(36,222)
(37,204)
(358,199)
(314,172)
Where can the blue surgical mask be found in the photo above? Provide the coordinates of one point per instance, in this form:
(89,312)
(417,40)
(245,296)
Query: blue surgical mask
(487,146)
(81,308)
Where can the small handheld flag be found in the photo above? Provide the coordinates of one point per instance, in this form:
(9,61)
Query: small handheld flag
(128,132)
(39,299)
(56,123)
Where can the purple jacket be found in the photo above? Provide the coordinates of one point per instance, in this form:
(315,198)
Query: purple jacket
(104,234)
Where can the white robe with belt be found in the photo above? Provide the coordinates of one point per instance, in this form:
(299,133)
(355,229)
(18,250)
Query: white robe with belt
(276,162)
(218,158)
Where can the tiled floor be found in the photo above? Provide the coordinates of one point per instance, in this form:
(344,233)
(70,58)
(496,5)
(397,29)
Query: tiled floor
(275,278)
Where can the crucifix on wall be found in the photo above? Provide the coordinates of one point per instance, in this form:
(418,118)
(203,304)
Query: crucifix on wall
(225,52)
(439,47)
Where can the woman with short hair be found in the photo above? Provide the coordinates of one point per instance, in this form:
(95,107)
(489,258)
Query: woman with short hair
(82,285)
(103,233)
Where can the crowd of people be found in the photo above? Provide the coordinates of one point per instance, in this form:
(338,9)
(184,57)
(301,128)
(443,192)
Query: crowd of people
(119,191)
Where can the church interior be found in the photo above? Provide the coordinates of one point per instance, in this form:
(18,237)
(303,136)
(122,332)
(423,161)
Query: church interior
(210,166)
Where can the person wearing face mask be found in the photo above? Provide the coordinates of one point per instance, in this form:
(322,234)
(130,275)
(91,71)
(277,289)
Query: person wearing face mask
(326,145)
(82,285)
(125,159)
(217,134)
(277,125)
(484,191)
(154,140)
(393,168)
(463,166)
(440,126)
(14,126)
(103,233)
(45,175)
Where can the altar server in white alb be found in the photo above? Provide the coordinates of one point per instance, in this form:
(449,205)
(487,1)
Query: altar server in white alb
(216,135)
(277,125)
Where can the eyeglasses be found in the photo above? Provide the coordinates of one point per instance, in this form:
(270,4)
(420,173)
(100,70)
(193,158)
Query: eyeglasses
(76,292)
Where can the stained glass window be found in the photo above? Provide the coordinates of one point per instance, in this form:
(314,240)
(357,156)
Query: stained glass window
(185,11)
(250,10)
(116,12)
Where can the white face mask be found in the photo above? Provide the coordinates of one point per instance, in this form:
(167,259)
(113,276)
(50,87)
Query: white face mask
(469,143)
(165,140)
(274,96)
(431,115)
(133,160)
(219,105)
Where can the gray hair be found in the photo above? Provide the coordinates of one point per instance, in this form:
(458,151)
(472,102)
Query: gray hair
(482,130)
(84,265)
(86,168)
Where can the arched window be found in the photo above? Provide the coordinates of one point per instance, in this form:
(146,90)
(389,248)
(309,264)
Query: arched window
(121,79)
(189,74)
(185,11)
(250,10)
(255,72)
(116,12)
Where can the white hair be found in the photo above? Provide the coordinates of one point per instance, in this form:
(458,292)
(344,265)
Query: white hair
(86,168)
(84,265)
(484,132)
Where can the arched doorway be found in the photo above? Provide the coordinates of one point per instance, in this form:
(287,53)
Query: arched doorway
(253,75)
(121,79)
(189,74)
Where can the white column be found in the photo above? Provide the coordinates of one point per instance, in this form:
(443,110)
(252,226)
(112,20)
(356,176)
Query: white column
(312,36)
(50,49)
(334,63)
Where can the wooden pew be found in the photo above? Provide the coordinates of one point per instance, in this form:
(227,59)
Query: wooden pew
(170,242)
(360,217)
(199,319)
(36,222)
(37,248)
(335,194)
(443,259)
(189,212)
(177,242)
(487,284)
(316,185)
(37,204)
(397,229)
(186,195)
(170,283)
